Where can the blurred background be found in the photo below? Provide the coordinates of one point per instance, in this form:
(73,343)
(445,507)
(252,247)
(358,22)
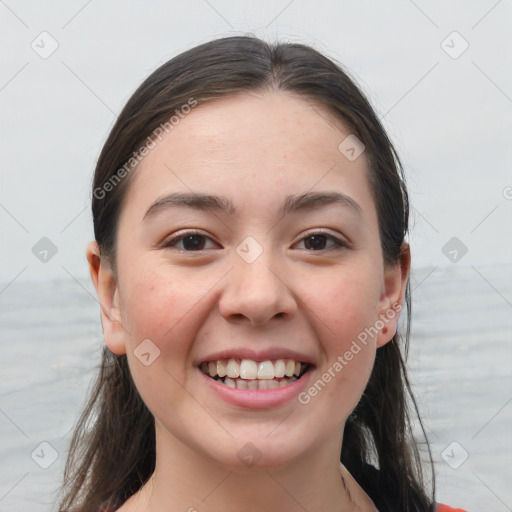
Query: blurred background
(439,76)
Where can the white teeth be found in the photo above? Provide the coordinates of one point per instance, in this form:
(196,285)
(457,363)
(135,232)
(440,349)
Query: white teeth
(279,369)
(248,369)
(256,383)
(272,384)
(229,382)
(252,370)
(289,368)
(233,369)
(266,370)
(252,384)
(241,384)
(221,369)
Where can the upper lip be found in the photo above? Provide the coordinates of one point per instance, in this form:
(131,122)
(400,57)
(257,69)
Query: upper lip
(271,354)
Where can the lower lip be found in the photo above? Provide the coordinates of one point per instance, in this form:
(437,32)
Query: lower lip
(257,398)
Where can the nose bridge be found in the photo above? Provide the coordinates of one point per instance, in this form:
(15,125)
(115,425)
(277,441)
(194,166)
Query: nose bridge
(255,289)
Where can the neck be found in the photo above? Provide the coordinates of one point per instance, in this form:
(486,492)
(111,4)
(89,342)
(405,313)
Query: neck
(184,480)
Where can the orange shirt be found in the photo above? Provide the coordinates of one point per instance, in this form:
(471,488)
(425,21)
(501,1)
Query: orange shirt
(446,508)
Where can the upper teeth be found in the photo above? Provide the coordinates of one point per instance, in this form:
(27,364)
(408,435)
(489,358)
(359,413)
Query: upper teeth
(251,370)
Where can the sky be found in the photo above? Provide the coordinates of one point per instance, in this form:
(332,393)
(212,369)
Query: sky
(437,73)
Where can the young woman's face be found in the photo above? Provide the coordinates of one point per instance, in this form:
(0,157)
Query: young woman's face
(261,273)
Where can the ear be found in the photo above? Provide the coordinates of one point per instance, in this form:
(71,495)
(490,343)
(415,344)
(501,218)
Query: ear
(393,296)
(105,283)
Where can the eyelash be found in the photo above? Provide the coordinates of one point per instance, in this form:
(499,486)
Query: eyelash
(339,244)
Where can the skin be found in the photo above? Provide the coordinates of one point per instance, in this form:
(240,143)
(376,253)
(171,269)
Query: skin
(255,149)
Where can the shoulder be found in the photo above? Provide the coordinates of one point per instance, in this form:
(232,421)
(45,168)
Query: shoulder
(383,491)
(446,508)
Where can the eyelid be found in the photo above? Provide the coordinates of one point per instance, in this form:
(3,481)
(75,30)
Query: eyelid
(340,242)
(176,238)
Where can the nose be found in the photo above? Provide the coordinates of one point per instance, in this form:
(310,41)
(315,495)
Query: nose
(256,291)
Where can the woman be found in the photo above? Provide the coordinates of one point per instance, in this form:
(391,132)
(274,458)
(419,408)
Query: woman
(250,260)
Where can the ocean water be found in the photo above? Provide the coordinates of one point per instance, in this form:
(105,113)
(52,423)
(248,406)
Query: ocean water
(460,364)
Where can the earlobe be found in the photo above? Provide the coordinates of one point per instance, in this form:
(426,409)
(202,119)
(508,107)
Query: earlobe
(107,290)
(393,296)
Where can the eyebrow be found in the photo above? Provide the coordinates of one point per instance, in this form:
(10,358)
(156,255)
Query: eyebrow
(221,204)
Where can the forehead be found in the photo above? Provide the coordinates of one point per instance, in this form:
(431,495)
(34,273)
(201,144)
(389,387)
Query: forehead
(247,145)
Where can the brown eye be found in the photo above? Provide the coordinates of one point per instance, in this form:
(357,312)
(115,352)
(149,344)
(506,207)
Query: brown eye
(190,242)
(318,241)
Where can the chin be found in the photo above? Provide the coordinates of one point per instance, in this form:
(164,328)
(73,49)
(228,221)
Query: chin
(256,454)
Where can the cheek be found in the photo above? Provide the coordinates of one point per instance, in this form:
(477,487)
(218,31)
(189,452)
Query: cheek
(345,306)
(346,301)
(168,308)
(154,302)
(161,308)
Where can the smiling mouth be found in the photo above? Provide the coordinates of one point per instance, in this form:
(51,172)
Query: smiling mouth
(249,374)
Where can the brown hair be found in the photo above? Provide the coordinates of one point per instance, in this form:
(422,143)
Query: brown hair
(112,452)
